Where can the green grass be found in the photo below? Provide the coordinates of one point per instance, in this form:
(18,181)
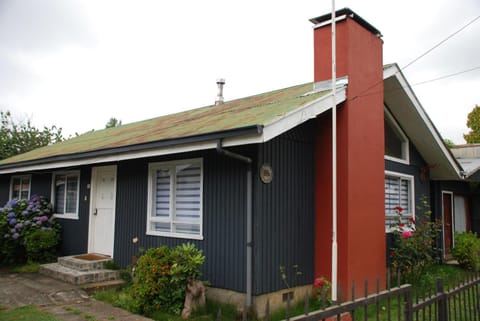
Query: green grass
(27,268)
(26,313)
(122,299)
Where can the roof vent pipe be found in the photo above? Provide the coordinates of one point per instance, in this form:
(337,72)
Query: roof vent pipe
(219,99)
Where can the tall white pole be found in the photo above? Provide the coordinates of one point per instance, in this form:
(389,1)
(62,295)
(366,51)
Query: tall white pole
(334,160)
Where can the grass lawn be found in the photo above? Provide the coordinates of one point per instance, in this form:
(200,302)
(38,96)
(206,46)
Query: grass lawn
(122,299)
(26,313)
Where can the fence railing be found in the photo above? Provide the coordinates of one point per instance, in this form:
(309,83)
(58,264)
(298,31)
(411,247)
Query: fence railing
(447,301)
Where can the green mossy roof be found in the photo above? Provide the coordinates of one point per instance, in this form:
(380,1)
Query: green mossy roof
(260,109)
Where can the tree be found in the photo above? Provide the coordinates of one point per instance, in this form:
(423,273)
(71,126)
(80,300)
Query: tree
(21,137)
(449,143)
(473,122)
(113,122)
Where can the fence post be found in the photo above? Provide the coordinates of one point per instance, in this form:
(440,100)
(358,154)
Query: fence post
(442,303)
(408,304)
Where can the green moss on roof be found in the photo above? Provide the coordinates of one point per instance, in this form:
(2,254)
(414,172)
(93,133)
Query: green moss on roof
(260,109)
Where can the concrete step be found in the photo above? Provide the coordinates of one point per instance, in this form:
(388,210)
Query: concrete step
(92,288)
(74,276)
(84,262)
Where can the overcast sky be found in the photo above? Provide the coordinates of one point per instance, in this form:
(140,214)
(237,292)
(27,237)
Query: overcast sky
(75,64)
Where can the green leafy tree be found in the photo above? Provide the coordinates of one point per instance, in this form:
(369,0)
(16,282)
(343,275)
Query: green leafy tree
(473,122)
(20,137)
(113,122)
(449,143)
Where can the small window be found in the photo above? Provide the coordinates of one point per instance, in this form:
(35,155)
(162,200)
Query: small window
(399,191)
(175,199)
(65,193)
(20,187)
(396,143)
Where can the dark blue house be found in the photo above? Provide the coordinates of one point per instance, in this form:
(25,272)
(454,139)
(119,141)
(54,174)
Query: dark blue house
(249,180)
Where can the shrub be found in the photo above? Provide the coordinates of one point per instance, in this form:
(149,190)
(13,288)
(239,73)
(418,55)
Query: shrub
(467,250)
(28,231)
(414,249)
(40,245)
(162,275)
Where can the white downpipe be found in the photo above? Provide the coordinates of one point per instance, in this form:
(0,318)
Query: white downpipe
(334,160)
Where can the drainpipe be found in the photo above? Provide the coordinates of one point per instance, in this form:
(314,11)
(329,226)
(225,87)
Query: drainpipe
(334,160)
(248,162)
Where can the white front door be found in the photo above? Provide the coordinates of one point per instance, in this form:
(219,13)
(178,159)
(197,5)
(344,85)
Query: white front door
(102,210)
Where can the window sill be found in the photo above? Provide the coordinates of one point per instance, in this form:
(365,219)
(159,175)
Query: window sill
(176,235)
(67,217)
(398,160)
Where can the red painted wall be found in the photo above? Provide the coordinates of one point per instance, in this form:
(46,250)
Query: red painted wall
(360,159)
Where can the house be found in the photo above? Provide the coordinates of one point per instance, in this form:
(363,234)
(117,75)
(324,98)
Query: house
(249,181)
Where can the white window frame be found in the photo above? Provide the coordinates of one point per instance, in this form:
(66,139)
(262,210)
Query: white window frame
(152,168)
(405,142)
(21,177)
(71,216)
(411,200)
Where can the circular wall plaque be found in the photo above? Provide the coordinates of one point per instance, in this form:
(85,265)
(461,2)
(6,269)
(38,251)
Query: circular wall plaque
(266,173)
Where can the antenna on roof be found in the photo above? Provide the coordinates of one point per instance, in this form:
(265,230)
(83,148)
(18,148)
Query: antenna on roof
(219,99)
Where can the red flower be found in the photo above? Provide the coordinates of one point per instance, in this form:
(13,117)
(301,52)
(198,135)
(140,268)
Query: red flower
(401,224)
(318,283)
(406,234)
(411,219)
(393,253)
(399,209)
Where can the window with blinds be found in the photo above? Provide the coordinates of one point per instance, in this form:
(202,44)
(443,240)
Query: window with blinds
(398,192)
(175,199)
(20,187)
(65,194)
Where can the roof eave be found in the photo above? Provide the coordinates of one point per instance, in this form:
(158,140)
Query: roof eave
(82,158)
(430,145)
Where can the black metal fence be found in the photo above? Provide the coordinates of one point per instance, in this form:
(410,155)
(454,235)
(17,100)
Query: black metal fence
(448,301)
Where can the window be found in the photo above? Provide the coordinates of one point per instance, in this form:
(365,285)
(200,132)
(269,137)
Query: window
(65,194)
(396,143)
(398,192)
(20,187)
(175,199)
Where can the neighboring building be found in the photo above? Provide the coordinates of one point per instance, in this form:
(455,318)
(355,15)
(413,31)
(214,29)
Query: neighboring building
(249,180)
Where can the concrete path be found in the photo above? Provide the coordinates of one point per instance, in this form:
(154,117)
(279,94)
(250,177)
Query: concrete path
(66,301)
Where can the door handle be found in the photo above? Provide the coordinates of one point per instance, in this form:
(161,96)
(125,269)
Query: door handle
(95,212)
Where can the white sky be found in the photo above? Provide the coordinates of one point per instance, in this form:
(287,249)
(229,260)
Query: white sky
(75,64)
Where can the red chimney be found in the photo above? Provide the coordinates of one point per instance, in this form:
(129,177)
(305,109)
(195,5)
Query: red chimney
(360,154)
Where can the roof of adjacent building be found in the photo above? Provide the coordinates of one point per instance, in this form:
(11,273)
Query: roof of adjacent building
(240,117)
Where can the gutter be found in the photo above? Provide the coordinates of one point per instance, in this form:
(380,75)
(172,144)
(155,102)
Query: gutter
(249,204)
(192,139)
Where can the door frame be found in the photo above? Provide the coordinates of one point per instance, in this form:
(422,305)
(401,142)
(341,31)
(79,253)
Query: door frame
(93,190)
(452,214)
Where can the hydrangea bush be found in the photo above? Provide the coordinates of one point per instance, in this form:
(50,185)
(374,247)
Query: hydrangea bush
(28,231)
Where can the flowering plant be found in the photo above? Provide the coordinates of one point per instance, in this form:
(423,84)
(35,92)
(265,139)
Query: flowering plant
(27,230)
(414,248)
(322,291)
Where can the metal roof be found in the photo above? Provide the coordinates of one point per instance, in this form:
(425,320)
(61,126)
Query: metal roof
(234,117)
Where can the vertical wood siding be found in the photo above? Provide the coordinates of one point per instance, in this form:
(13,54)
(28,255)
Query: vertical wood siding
(284,212)
(75,232)
(223,216)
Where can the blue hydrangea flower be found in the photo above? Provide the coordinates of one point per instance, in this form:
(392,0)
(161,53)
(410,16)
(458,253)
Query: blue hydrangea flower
(15,236)
(12,203)
(11,215)
(27,222)
(18,226)
(24,213)
(13,222)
